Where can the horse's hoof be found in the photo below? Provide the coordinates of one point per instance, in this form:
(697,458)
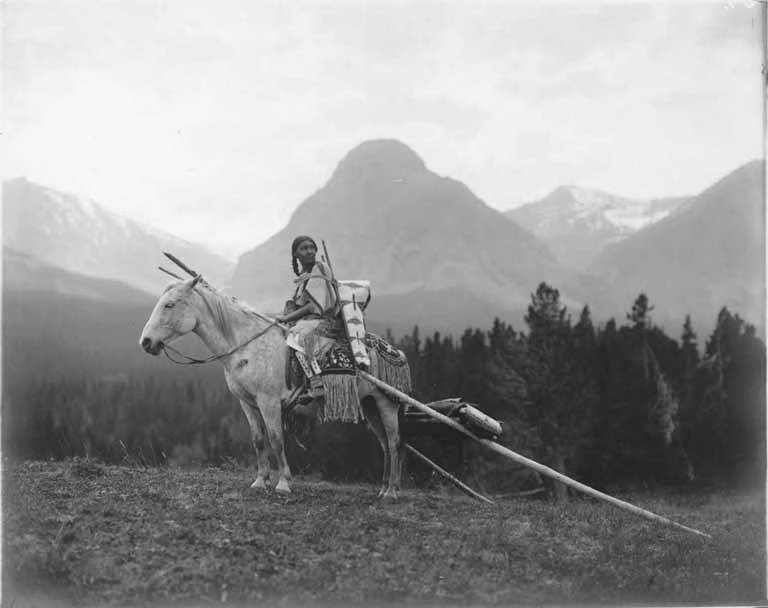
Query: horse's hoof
(390,494)
(283,487)
(259,484)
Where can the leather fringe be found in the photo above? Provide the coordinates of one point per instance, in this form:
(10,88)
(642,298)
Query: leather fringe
(397,376)
(342,402)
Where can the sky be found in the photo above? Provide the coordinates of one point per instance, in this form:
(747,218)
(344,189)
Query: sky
(215,119)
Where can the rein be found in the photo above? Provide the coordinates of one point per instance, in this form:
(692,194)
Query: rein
(194,361)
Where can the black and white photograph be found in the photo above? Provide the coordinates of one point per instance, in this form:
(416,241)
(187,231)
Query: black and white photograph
(383,303)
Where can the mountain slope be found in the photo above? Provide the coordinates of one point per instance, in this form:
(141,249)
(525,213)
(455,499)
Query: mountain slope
(577,223)
(57,324)
(708,255)
(457,310)
(82,237)
(24,273)
(385,217)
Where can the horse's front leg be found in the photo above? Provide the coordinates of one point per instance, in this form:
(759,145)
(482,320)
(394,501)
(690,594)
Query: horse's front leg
(271,411)
(259,442)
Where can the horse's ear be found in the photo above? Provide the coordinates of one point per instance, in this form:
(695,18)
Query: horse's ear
(196,280)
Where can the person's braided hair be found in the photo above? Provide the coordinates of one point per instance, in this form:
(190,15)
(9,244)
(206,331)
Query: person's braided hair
(296,242)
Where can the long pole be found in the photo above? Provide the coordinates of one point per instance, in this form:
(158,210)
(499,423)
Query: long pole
(334,282)
(544,470)
(447,475)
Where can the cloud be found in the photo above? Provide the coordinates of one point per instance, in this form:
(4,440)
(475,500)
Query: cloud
(194,116)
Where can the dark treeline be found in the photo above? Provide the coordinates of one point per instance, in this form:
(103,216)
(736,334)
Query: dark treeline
(145,421)
(616,404)
(623,403)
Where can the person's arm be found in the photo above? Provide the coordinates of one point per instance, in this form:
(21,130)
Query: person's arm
(300,312)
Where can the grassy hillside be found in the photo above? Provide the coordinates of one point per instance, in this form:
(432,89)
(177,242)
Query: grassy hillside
(86,534)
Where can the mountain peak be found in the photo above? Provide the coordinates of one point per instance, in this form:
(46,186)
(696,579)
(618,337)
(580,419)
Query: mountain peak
(387,158)
(585,198)
(577,222)
(393,222)
(83,237)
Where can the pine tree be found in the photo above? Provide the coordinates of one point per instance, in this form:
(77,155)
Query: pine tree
(641,322)
(559,387)
(500,335)
(411,346)
(546,317)
(664,408)
(662,445)
(730,425)
(640,313)
(438,370)
(507,392)
(689,352)
(474,355)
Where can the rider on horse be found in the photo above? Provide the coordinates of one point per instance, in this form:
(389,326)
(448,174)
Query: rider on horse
(312,310)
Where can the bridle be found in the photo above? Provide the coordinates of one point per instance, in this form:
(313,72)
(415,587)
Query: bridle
(187,360)
(193,361)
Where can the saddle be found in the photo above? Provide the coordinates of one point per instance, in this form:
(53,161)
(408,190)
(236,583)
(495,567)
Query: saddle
(333,355)
(338,376)
(341,346)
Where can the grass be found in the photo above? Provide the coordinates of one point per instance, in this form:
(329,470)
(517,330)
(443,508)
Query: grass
(91,534)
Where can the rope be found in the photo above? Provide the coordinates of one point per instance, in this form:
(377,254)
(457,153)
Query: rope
(194,361)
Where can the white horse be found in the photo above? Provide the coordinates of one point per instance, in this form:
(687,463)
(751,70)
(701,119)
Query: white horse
(252,349)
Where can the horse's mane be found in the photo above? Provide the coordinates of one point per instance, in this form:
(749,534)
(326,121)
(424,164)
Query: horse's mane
(223,308)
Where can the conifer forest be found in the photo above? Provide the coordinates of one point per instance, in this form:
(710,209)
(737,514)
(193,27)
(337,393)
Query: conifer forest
(622,403)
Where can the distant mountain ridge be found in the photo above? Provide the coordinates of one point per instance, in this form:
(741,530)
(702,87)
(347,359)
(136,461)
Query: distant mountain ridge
(83,237)
(577,223)
(436,255)
(387,218)
(50,334)
(25,273)
(708,255)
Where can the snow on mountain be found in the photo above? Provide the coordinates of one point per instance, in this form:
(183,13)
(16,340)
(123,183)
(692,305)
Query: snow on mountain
(705,254)
(577,223)
(81,236)
(389,219)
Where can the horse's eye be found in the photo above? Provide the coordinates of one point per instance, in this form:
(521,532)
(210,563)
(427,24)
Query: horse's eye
(170,304)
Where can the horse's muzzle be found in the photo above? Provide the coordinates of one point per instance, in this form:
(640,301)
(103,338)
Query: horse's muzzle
(153,348)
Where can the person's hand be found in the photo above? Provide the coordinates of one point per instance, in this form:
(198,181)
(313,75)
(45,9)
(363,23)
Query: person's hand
(280,319)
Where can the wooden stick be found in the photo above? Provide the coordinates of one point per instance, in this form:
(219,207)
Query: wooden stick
(173,274)
(544,470)
(334,282)
(180,264)
(447,475)
(524,493)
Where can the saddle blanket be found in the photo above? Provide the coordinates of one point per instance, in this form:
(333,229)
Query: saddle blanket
(338,373)
(339,358)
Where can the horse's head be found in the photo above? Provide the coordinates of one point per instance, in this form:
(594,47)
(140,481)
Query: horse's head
(174,315)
